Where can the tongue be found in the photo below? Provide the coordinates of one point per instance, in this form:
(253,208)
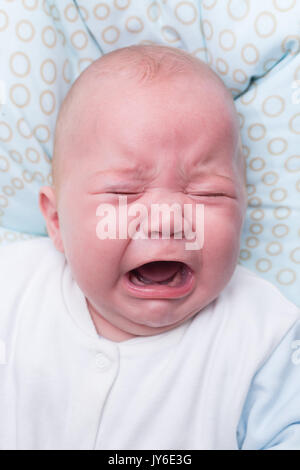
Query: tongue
(158,270)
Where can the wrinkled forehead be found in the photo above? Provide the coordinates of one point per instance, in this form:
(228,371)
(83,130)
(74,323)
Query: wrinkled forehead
(169,111)
(113,120)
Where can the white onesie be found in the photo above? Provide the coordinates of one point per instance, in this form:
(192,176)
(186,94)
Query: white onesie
(229,378)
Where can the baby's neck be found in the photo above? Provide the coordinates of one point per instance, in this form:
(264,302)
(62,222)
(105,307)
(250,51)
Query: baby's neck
(106,329)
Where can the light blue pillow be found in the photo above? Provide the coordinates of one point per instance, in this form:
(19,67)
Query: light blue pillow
(255,49)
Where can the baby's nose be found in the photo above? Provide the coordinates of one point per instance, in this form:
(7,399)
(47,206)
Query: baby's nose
(165,218)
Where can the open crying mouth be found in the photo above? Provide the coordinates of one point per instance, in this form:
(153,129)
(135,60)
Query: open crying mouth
(171,273)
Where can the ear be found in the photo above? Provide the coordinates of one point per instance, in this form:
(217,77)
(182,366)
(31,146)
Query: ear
(47,205)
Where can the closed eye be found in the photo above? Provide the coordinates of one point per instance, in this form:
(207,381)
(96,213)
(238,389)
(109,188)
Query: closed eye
(209,194)
(213,196)
(122,193)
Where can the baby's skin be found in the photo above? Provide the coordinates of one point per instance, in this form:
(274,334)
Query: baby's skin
(168,137)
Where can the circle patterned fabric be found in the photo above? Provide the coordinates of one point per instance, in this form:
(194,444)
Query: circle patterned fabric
(253,46)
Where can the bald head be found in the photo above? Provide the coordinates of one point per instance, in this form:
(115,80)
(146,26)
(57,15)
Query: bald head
(142,65)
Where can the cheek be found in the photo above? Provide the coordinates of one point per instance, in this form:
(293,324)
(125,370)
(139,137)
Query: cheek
(220,250)
(95,263)
(222,236)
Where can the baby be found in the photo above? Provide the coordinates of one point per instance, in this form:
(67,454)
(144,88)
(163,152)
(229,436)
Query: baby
(138,340)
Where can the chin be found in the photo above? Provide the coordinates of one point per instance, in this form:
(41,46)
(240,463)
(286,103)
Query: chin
(157,314)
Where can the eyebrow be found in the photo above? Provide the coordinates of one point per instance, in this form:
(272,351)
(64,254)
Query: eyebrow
(204,168)
(118,171)
(197,172)
(142,174)
(137,173)
(212,175)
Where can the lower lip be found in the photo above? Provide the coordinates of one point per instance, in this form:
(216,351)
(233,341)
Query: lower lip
(160,291)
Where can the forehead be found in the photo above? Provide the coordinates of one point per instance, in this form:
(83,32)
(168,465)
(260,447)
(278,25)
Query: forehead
(129,123)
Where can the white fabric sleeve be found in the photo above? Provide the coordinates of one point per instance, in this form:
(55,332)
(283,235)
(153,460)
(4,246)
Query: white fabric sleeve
(271,414)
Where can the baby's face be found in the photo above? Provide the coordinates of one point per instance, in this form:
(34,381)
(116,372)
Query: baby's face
(173,142)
